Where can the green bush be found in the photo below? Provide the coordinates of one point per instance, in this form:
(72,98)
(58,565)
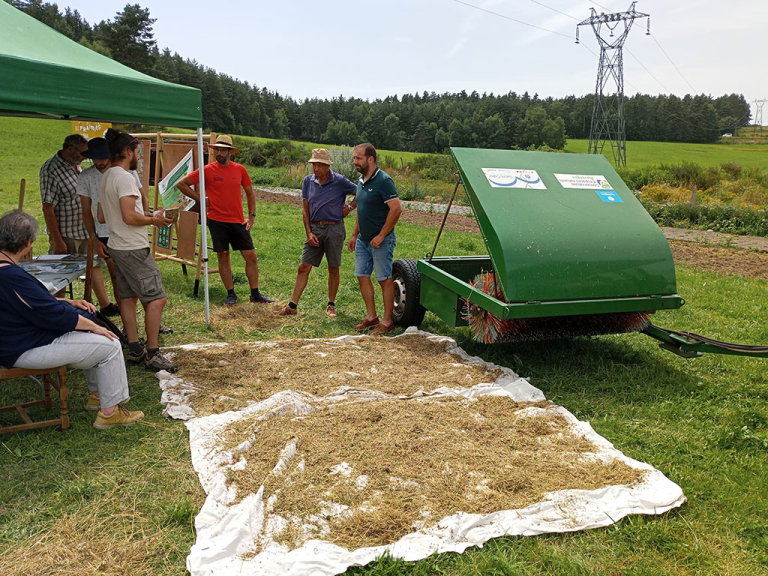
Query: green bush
(274,153)
(342,163)
(728,219)
(433,167)
(265,176)
(691,174)
(293,176)
(636,178)
(731,169)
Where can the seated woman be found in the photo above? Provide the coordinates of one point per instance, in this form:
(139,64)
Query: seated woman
(40,331)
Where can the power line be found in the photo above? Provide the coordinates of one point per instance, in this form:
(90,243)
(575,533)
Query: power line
(665,54)
(510,18)
(584,45)
(554,9)
(603,7)
(673,64)
(649,72)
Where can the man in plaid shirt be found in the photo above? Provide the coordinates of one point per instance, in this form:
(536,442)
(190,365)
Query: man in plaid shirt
(61,203)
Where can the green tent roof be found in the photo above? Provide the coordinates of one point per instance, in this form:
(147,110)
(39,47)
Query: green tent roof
(45,74)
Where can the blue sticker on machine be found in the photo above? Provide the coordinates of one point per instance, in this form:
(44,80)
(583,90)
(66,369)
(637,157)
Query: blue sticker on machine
(609,196)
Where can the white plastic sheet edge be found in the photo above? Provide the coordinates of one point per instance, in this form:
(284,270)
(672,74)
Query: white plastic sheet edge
(227,532)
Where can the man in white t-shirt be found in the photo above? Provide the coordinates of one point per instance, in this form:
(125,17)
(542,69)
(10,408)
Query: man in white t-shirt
(137,274)
(88,190)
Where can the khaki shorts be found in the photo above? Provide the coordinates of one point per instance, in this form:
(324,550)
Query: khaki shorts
(331,243)
(74,245)
(137,275)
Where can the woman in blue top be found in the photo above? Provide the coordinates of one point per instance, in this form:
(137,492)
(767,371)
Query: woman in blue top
(40,331)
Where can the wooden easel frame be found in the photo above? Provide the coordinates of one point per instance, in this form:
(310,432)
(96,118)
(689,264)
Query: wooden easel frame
(197,262)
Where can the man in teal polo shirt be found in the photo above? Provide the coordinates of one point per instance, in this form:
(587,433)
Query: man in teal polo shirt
(373,239)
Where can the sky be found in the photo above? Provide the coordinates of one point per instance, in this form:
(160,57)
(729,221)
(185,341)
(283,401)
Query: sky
(371,50)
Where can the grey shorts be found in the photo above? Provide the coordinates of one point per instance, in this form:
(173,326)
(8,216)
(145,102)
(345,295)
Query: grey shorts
(74,245)
(137,275)
(331,238)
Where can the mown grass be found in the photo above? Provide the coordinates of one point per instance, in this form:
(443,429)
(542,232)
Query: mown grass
(703,422)
(641,154)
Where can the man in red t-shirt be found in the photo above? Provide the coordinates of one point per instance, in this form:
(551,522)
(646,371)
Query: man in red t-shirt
(223,180)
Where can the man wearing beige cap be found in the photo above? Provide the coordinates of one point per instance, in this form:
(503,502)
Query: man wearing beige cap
(324,195)
(228,226)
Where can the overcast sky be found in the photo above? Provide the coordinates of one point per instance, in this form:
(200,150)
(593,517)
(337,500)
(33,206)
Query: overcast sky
(370,50)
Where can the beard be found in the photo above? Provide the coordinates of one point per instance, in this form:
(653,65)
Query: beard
(134,163)
(221,159)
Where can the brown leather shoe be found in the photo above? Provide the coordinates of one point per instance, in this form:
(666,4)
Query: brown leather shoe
(382,329)
(367,323)
(288,311)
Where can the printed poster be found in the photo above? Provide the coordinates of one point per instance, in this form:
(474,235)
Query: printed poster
(90,129)
(513,178)
(584,181)
(170,196)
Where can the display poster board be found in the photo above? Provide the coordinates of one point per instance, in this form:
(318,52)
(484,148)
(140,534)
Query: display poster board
(90,129)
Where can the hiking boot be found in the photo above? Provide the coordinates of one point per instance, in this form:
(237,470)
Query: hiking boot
(261,299)
(120,416)
(288,311)
(137,356)
(111,309)
(230,300)
(158,362)
(330,311)
(93,403)
(165,329)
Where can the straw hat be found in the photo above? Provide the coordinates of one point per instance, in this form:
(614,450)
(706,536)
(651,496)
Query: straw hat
(321,155)
(224,141)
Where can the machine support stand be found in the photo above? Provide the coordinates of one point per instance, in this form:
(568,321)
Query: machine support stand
(445,217)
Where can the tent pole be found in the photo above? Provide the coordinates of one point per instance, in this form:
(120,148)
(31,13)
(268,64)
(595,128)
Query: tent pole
(204,224)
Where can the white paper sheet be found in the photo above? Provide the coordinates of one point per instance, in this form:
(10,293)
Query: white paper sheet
(226,532)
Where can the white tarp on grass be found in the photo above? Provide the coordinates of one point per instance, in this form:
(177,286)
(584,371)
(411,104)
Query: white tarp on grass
(227,532)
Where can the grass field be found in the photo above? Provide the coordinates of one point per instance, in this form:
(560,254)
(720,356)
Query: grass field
(123,501)
(396,154)
(641,154)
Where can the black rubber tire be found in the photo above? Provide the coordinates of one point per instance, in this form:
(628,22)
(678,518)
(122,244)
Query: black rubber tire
(407,279)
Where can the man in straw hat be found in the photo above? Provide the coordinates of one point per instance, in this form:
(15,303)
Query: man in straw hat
(324,195)
(228,226)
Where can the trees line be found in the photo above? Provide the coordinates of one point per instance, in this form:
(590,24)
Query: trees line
(426,122)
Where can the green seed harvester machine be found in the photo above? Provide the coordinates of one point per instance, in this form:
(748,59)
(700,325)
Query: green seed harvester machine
(571,252)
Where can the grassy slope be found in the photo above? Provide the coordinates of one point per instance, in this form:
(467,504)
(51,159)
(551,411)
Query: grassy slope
(703,422)
(641,154)
(406,156)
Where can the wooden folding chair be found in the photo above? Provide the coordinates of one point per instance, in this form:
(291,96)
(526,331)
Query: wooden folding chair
(48,382)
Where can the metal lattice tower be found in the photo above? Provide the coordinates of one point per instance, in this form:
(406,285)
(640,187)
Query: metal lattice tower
(608,112)
(759,114)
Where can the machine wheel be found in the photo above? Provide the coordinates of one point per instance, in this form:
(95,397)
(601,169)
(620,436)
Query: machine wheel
(407,281)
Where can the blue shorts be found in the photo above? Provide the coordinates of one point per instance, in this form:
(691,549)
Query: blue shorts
(368,258)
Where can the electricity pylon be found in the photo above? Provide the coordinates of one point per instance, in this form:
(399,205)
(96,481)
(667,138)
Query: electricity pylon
(759,114)
(608,111)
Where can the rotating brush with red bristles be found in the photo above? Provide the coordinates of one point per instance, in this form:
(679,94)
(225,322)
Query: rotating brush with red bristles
(489,328)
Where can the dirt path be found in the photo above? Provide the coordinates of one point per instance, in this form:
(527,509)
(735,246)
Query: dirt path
(706,250)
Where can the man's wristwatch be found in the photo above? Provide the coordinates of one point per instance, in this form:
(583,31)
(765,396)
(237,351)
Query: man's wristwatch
(253,214)
(349,206)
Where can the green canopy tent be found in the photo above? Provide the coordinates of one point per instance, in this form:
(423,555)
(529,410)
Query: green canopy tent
(44,74)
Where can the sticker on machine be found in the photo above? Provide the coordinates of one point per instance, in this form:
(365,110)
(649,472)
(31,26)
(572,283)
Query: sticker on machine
(609,196)
(513,178)
(583,181)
